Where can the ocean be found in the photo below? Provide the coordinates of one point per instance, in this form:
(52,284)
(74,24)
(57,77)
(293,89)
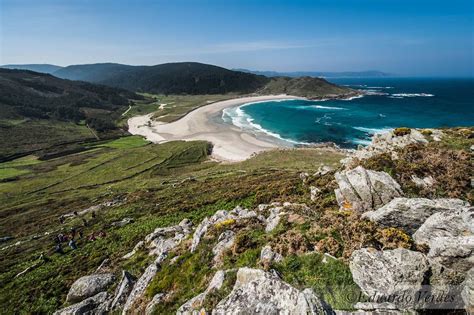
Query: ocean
(390,103)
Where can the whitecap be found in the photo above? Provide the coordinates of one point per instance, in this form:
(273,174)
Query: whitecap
(373,131)
(401,95)
(361,141)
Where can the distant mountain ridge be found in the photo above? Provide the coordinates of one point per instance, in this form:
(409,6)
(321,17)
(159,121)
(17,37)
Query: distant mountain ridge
(197,79)
(344,74)
(43,68)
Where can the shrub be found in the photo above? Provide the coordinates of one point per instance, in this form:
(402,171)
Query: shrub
(402,131)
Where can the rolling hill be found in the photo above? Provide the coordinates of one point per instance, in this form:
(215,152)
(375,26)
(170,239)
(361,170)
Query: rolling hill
(43,68)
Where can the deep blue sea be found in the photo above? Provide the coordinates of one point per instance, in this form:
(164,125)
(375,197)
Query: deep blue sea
(393,102)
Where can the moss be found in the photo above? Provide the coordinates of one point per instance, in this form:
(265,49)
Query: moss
(392,238)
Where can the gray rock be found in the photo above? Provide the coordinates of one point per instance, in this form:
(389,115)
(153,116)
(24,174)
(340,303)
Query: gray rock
(274,218)
(323,170)
(162,240)
(467,293)
(90,306)
(456,253)
(224,242)
(424,182)
(256,291)
(364,190)
(140,287)
(410,213)
(122,291)
(194,305)
(445,224)
(238,213)
(267,255)
(137,247)
(157,299)
(398,272)
(88,286)
(122,222)
(314,192)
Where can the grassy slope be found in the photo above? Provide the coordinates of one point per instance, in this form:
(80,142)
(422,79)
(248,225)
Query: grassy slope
(150,177)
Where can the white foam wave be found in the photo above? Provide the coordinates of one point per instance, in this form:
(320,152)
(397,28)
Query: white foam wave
(242,120)
(373,131)
(375,92)
(352,98)
(361,141)
(402,95)
(380,87)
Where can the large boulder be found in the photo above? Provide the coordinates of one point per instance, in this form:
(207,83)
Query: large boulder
(122,291)
(88,286)
(364,190)
(398,272)
(258,292)
(455,253)
(445,224)
(224,242)
(91,305)
(410,213)
(140,287)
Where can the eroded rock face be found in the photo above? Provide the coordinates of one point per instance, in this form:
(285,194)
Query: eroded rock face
(256,291)
(91,305)
(236,214)
(364,190)
(157,299)
(163,240)
(410,213)
(445,224)
(140,287)
(467,293)
(122,291)
(88,286)
(395,272)
(456,253)
(194,305)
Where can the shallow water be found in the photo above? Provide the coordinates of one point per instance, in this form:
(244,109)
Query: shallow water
(391,103)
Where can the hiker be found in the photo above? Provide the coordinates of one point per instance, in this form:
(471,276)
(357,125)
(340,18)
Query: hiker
(61,219)
(72,244)
(92,237)
(73,232)
(60,238)
(58,249)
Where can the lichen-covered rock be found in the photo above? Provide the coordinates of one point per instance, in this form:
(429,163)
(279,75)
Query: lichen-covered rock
(424,182)
(274,218)
(137,247)
(224,242)
(395,272)
(91,305)
(314,192)
(467,293)
(267,256)
(157,299)
(364,190)
(88,286)
(256,291)
(163,240)
(456,253)
(410,213)
(194,305)
(122,291)
(445,224)
(140,287)
(238,213)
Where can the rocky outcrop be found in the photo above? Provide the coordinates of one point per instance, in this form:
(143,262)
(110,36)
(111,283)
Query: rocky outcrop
(163,240)
(194,305)
(91,305)
(220,216)
(140,287)
(410,213)
(364,190)
(456,253)
(398,272)
(224,242)
(88,286)
(267,256)
(257,291)
(386,142)
(122,291)
(137,247)
(155,301)
(445,224)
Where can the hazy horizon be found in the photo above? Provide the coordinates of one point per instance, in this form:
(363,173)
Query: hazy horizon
(405,38)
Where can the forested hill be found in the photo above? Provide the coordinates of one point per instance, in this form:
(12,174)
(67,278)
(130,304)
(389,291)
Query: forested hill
(31,94)
(170,78)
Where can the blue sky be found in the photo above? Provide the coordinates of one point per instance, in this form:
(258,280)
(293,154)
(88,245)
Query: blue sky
(399,36)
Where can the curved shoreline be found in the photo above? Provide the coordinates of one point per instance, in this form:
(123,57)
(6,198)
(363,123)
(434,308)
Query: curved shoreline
(230,143)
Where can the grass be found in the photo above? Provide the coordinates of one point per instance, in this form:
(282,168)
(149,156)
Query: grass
(6,173)
(126,143)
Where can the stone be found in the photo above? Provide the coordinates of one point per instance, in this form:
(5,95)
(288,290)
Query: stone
(410,213)
(122,291)
(140,287)
(238,213)
(162,240)
(122,223)
(157,299)
(424,182)
(467,293)
(137,247)
(267,256)
(224,242)
(445,224)
(456,253)
(274,218)
(88,286)
(397,272)
(304,177)
(323,170)
(256,291)
(87,306)
(193,305)
(314,193)
(364,190)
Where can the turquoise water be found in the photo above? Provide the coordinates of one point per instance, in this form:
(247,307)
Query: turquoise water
(393,102)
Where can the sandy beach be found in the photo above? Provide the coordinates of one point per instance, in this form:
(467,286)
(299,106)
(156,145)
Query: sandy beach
(231,144)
